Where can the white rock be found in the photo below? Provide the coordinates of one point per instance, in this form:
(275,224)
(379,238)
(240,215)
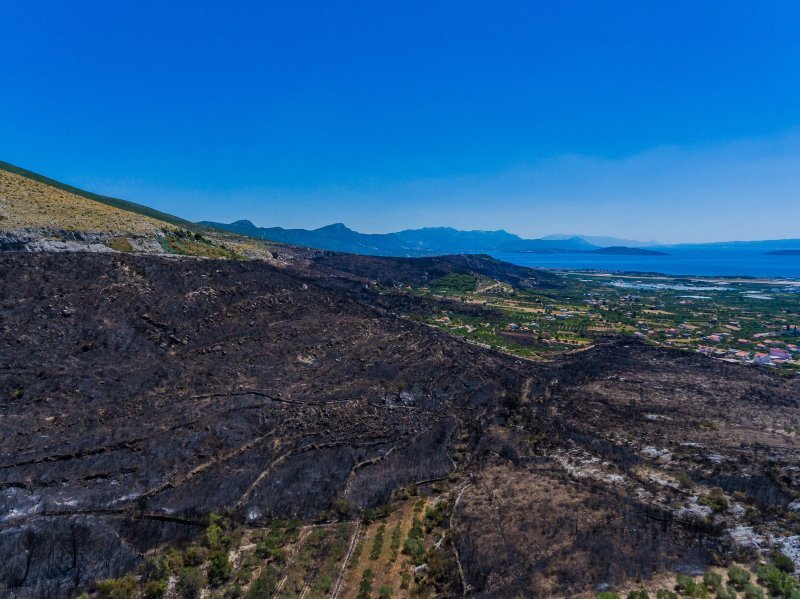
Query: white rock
(790,546)
(657,417)
(662,455)
(745,536)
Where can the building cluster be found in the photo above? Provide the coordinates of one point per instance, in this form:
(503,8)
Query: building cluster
(764,348)
(773,356)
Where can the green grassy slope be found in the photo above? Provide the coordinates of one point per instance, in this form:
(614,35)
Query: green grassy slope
(109,201)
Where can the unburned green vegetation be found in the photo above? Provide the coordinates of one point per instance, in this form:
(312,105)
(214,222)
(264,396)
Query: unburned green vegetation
(773,580)
(454,283)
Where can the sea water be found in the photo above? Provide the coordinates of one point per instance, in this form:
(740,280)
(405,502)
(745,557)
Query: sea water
(726,263)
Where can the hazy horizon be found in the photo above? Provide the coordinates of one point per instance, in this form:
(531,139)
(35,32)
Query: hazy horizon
(677,123)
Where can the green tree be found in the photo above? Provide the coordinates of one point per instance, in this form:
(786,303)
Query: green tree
(220,568)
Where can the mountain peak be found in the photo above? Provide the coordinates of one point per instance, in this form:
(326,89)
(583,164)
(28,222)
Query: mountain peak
(244,223)
(335,227)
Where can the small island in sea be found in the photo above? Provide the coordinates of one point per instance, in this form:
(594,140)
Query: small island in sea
(628,251)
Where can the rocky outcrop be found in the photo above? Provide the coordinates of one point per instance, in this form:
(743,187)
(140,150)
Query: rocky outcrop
(59,240)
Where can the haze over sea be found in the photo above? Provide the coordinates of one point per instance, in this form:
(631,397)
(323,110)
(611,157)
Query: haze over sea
(724,263)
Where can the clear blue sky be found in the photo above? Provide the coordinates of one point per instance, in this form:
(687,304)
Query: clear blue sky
(678,121)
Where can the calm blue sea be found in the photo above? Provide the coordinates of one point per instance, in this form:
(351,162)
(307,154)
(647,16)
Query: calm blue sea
(679,262)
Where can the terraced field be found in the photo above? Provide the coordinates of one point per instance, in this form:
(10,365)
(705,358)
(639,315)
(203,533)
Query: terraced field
(381,557)
(378,564)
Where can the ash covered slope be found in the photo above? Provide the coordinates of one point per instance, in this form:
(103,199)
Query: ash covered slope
(608,466)
(420,271)
(140,393)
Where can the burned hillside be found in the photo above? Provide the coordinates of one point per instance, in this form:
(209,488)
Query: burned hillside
(140,394)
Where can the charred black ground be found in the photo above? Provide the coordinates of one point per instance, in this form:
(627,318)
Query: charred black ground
(139,394)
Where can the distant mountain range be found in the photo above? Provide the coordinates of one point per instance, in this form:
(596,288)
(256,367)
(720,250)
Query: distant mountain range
(436,241)
(430,241)
(604,241)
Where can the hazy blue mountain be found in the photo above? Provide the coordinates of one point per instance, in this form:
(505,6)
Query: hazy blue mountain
(767,245)
(604,241)
(335,237)
(437,241)
(430,241)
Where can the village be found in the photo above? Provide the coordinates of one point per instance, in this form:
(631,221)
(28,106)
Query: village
(749,322)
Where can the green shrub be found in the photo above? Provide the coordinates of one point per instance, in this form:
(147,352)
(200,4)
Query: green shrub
(155,568)
(405,579)
(685,480)
(434,517)
(323,584)
(779,583)
(753,592)
(738,577)
(174,560)
(263,587)
(441,568)
(155,589)
(397,537)
(343,508)
(416,532)
(214,531)
(686,585)
(712,580)
(117,588)
(191,582)
(607,595)
(377,543)
(121,244)
(726,592)
(385,592)
(220,569)
(665,594)
(195,556)
(267,550)
(715,499)
(415,549)
(638,595)
(293,526)
(234,591)
(365,585)
(783,562)
(270,546)
(357,551)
